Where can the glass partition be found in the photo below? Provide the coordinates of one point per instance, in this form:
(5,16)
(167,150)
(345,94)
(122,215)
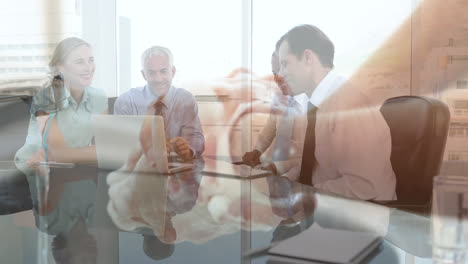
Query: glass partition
(222,55)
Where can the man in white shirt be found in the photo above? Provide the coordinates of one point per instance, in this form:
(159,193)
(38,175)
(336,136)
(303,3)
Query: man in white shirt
(347,144)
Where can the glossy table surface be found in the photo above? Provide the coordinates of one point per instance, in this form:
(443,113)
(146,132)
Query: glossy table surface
(87,215)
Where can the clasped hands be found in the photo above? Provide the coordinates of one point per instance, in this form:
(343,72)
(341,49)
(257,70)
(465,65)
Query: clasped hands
(252,159)
(180,146)
(177,144)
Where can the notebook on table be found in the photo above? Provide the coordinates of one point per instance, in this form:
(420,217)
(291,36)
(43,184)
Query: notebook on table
(117,136)
(322,245)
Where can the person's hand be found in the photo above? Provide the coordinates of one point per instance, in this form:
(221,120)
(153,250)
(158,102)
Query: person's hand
(177,144)
(168,146)
(181,147)
(252,158)
(39,156)
(269,166)
(34,161)
(290,199)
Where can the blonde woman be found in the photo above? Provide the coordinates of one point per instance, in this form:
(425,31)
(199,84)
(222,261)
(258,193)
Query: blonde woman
(63,110)
(60,124)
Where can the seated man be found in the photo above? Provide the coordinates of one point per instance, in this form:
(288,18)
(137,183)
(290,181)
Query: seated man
(176,105)
(279,145)
(347,144)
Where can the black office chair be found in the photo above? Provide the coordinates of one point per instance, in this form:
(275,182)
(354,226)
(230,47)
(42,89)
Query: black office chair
(14,188)
(110,104)
(419,127)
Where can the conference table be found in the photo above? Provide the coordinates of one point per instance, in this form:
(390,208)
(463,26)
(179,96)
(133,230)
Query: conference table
(83,214)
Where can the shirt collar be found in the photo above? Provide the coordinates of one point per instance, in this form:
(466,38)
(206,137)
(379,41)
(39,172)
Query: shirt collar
(326,87)
(301,101)
(152,97)
(85,101)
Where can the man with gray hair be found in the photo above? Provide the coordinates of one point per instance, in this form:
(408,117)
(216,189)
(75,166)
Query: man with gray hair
(177,106)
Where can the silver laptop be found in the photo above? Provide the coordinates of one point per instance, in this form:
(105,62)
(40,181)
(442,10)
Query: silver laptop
(117,136)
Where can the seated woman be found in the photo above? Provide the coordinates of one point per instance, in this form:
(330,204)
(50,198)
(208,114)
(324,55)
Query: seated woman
(60,129)
(71,105)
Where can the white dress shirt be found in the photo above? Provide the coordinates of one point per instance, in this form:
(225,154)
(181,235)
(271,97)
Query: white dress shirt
(181,113)
(352,143)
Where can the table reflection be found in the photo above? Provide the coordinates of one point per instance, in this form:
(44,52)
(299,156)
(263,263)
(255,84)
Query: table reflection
(64,207)
(190,206)
(151,201)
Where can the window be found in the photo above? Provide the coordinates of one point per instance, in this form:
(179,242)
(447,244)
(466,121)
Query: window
(25,46)
(460,155)
(458,130)
(462,84)
(460,104)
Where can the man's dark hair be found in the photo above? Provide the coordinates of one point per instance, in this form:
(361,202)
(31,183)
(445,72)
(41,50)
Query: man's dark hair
(310,37)
(278,43)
